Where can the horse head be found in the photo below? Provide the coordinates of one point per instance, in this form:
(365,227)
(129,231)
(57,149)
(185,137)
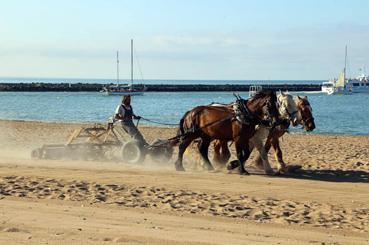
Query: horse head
(305,116)
(264,106)
(287,108)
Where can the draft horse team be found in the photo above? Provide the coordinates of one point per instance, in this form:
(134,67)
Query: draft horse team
(247,124)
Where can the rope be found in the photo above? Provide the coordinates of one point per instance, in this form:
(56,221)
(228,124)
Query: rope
(217,122)
(205,126)
(152,121)
(138,64)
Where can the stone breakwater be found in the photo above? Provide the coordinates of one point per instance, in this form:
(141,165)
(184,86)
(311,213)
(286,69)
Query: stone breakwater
(95,87)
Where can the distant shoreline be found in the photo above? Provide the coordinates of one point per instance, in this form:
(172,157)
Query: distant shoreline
(96,87)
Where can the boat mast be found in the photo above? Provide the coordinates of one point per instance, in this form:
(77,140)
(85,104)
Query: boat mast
(344,69)
(117,67)
(132,61)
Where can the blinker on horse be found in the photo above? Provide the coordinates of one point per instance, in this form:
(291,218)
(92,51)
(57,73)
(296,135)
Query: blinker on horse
(209,123)
(306,113)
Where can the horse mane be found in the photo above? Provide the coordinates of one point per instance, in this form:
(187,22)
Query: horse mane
(305,100)
(302,100)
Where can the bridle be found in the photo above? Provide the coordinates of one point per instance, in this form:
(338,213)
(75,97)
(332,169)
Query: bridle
(266,110)
(305,120)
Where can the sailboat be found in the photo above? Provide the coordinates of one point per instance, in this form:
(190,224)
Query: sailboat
(125,89)
(344,85)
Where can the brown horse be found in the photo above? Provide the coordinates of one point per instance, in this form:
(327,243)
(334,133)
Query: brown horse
(302,116)
(209,123)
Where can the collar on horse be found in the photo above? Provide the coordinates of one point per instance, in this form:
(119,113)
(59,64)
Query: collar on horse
(244,115)
(241,111)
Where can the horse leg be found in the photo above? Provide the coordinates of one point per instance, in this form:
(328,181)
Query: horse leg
(217,151)
(258,161)
(263,156)
(226,153)
(243,153)
(221,152)
(181,150)
(204,150)
(278,155)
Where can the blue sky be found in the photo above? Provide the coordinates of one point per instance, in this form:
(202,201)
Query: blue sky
(184,39)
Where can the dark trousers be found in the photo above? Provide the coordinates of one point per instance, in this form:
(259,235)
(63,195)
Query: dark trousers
(132,130)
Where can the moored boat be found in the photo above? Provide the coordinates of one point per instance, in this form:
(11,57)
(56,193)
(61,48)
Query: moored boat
(344,85)
(124,89)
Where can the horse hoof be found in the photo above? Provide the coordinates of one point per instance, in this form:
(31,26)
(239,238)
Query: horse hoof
(210,168)
(289,169)
(259,164)
(293,168)
(244,173)
(233,164)
(180,168)
(270,173)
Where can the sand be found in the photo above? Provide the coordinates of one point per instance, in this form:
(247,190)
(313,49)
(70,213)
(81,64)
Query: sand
(96,202)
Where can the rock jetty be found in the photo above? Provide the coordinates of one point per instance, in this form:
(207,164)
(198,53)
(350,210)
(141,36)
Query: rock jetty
(95,87)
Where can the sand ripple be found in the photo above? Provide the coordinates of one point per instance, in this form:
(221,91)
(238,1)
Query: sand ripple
(195,202)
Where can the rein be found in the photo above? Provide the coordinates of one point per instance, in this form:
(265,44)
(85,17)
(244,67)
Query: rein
(205,126)
(156,122)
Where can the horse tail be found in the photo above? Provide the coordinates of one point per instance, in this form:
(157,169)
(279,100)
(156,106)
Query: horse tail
(181,131)
(192,117)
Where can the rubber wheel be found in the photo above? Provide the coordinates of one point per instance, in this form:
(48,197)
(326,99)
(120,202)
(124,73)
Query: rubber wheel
(36,153)
(133,152)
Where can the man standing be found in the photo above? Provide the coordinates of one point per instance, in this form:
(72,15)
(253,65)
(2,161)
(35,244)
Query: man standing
(124,112)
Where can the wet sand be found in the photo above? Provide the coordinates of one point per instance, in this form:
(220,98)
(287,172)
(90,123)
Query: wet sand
(95,202)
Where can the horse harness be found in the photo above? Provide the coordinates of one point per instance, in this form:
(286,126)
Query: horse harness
(244,116)
(241,114)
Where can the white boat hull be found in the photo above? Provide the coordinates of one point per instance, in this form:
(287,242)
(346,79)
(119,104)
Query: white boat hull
(328,90)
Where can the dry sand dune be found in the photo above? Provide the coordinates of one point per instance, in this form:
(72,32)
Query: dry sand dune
(84,202)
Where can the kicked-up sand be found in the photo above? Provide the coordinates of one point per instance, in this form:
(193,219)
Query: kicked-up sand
(95,202)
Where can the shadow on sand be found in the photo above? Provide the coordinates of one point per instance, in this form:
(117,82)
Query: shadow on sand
(353,176)
(350,176)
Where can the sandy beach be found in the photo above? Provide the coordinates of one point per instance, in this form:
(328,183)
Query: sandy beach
(95,202)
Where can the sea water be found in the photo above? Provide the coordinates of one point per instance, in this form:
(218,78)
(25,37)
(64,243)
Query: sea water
(334,114)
